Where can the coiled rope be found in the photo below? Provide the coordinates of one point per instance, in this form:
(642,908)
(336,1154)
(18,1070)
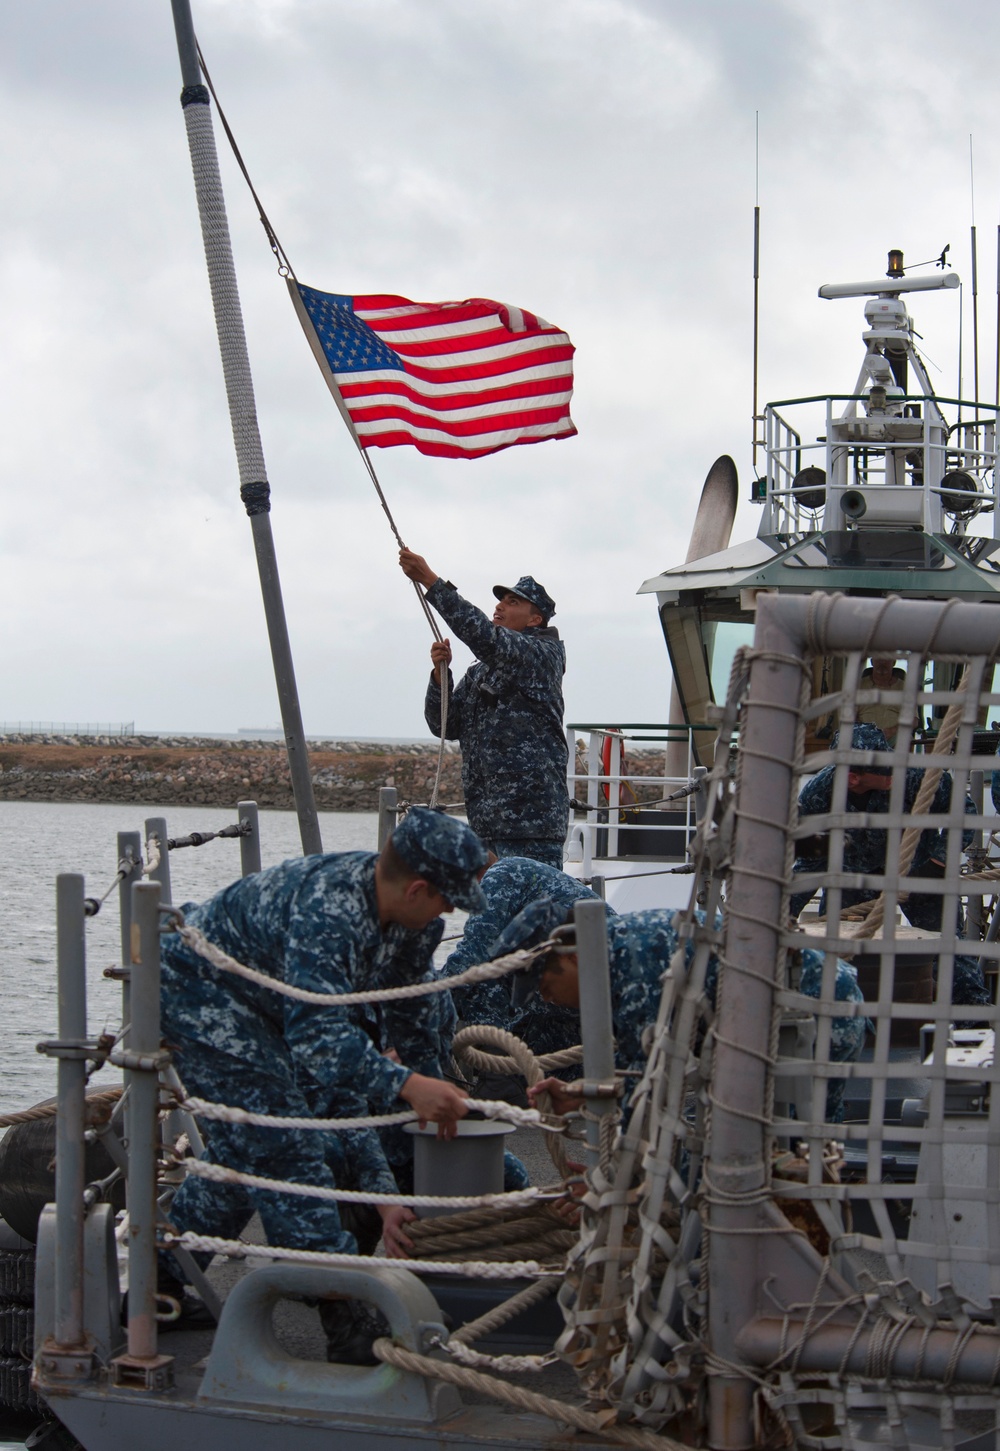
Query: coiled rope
(521,1059)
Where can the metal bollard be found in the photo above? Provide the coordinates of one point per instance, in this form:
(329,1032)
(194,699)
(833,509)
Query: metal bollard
(142,1365)
(70,1125)
(596,1026)
(388,804)
(247,814)
(157,826)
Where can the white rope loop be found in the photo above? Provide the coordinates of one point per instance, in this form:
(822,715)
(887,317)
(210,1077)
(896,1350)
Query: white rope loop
(490,1108)
(220,1174)
(482,972)
(240,1249)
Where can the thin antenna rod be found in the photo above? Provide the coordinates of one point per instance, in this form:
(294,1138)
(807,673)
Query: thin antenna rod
(975,284)
(996,370)
(756,279)
(961,342)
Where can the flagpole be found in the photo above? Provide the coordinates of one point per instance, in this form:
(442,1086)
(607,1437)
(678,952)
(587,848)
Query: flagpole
(254,488)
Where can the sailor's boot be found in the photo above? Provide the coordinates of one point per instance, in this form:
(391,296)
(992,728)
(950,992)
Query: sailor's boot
(351,1328)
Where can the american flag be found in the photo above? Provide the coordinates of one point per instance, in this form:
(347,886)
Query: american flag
(456,379)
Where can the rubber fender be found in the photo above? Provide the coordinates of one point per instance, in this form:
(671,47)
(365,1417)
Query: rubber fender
(15,1385)
(27,1178)
(17,1276)
(17,1330)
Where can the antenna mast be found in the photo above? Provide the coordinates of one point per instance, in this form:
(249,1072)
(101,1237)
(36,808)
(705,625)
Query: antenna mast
(756,281)
(975,284)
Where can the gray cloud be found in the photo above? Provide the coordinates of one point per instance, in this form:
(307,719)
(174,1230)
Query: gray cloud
(590,159)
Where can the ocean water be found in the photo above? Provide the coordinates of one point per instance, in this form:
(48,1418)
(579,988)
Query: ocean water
(40,840)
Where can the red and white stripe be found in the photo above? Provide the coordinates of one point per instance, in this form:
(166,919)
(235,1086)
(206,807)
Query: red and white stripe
(479,376)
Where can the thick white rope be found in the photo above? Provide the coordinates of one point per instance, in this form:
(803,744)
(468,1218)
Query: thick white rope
(508,1364)
(523,1399)
(220,1174)
(490,1108)
(482,972)
(239,1249)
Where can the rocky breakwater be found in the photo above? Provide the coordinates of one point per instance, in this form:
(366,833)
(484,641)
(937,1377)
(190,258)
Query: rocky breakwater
(202,771)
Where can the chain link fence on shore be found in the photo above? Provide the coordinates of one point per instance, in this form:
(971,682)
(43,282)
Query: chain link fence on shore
(66,728)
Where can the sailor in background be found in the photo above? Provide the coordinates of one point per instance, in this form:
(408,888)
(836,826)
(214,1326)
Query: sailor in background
(868,791)
(640,948)
(342,923)
(882,674)
(506,713)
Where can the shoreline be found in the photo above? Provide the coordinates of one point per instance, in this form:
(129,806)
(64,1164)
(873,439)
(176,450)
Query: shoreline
(207,771)
(202,771)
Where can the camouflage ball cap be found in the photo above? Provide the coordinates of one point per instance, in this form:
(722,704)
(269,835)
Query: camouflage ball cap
(864,737)
(446,852)
(529,589)
(537,922)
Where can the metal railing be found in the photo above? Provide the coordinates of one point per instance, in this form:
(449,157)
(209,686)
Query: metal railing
(629,812)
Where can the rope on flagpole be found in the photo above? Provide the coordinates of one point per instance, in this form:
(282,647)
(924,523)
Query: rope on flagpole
(286,270)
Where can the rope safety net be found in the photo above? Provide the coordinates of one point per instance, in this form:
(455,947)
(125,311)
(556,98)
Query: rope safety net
(890,1215)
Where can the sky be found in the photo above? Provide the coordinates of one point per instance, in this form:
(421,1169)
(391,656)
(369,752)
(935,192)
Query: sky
(594,161)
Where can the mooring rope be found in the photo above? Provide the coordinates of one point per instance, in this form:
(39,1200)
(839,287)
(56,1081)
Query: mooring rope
(94,1106)
(521,1398)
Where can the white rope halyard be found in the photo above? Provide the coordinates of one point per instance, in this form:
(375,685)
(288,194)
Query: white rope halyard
(240,1249)
(482,972)
(489,1108)
(219,1174)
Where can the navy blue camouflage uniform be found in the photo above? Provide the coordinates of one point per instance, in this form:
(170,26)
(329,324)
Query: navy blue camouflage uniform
(507,715)
(509,886)
(640,948)
(865,852)
(312,923)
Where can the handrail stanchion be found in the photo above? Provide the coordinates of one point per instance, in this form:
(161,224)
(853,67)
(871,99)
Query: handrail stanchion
(72,1088)
(129,850)
(388,804)
(596,1028)
(248,815)
(142,1365)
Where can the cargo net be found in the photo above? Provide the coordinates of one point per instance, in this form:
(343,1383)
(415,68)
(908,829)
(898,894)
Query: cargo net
(796,1239)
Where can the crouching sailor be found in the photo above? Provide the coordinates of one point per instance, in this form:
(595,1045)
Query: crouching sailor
(344,923)
(640,948)
(508,887)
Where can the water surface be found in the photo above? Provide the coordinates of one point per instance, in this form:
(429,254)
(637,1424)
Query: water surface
(38,840)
